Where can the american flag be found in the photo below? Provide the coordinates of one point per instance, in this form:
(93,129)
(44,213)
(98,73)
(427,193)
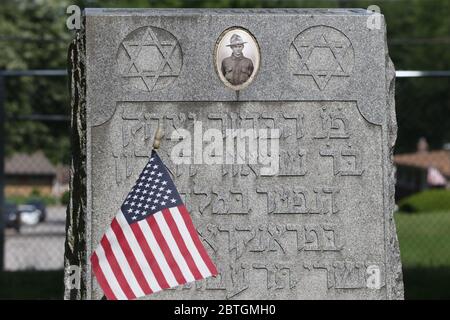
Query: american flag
(151,243)
(435,178)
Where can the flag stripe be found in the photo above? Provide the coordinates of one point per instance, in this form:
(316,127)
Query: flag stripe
(138,250)
(160,219)
(101,278)
(109,274)
(109,254)
(152,261)
(123,263)
(159,256)
(129,255)
(151,221)
(194,236)
(181,244)
(191,245)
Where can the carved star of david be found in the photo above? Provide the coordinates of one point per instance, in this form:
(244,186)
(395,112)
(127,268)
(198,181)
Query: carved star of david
(321,77)
(150,77)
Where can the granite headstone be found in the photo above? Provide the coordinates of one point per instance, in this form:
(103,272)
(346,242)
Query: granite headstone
(320,228)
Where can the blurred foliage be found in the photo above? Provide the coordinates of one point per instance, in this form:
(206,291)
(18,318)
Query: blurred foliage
(427,201)
(33,35)
(65,198)
(47,200)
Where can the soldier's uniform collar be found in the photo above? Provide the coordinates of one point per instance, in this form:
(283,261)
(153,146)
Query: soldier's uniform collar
(237,57)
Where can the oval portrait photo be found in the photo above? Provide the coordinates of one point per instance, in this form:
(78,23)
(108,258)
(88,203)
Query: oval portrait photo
(237,58)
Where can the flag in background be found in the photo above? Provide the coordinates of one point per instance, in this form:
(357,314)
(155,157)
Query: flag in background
(152,243)
(435,178)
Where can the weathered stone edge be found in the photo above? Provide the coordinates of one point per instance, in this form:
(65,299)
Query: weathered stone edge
(75,243)
(394,262)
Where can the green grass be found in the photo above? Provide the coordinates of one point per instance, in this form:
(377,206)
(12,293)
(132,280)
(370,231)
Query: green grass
(424,238)
(425,252)
(426,201)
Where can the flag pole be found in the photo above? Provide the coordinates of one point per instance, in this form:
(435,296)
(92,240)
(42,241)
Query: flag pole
(157,143)
(158,137)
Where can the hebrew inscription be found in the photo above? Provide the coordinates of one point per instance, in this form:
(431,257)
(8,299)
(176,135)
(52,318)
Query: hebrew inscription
(267,234)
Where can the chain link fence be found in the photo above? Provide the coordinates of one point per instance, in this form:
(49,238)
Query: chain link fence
(36,172)
(36,155)
(37,247)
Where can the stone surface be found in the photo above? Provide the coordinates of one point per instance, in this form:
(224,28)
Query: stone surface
(323,227)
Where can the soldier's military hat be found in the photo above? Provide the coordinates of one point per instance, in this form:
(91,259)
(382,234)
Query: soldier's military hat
(235,40)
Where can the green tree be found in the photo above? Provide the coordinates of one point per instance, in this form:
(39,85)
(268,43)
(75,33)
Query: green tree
(33,36)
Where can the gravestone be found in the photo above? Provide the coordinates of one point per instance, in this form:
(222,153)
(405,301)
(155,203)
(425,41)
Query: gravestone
(322,227)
